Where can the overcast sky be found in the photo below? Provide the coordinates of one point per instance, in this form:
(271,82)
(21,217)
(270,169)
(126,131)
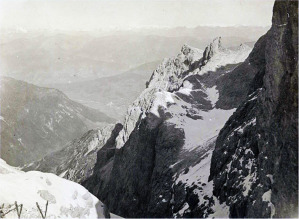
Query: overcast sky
(126,14)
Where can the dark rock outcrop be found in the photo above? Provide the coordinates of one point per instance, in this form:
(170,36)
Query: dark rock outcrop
(212,49)
(255,162)
(97,182)
(240,81)
(141,170)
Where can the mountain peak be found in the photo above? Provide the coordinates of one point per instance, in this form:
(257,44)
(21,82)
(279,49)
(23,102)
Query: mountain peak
(212,49)
(186,49)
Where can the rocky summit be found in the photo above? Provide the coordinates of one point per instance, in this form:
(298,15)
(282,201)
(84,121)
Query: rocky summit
(214,134)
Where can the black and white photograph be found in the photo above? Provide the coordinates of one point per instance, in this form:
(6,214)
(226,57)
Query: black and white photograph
(148,109)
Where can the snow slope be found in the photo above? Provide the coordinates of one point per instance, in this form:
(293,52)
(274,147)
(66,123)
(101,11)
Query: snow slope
(197,131)
(66,199)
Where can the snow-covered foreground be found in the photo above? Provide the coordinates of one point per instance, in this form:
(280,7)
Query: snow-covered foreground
(66,199)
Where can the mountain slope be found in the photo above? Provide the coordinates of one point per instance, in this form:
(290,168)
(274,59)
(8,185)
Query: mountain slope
(77,160)
(36,121)
(65,198)
(169,131)
(255,163)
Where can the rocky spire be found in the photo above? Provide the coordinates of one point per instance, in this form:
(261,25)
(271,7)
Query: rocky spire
(186,49)
(212,49)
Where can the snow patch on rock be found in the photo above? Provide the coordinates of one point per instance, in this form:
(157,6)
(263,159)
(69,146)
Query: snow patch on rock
(186,88)
(267,198)
(161,100)
(197,131)
(220,210)
(213,95)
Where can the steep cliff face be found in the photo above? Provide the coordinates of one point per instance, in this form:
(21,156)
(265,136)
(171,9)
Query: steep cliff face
(255,163)
(162,158)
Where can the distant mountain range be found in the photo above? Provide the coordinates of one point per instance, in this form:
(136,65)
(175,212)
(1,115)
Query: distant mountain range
(54,57)
(81,63)
(36,121)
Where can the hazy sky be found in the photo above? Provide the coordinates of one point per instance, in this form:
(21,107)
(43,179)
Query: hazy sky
(126,14)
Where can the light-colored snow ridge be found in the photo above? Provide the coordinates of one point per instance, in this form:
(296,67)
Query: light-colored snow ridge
(66,199)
